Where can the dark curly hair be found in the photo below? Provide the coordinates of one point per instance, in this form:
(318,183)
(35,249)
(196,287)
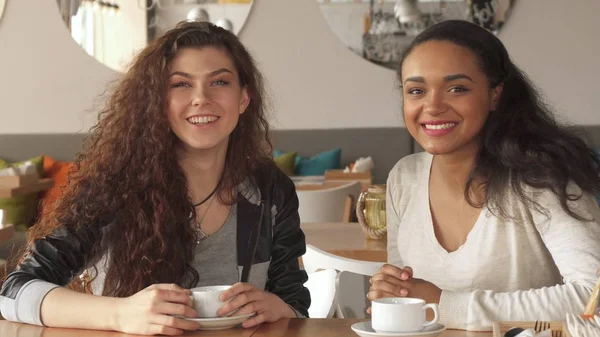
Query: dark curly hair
(521,142)
(129,176)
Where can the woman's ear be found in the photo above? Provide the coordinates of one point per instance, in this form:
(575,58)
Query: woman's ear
(496,94)
(244,100)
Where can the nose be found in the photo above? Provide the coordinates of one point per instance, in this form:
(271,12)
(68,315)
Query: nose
(200,97)
(435,104)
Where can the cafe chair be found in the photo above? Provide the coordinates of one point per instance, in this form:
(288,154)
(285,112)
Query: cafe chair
(315,258)
(329,204)
(352,282)
(322,287)
(351,291)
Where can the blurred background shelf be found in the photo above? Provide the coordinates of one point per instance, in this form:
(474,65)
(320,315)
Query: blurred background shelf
(40,185)
(6,232)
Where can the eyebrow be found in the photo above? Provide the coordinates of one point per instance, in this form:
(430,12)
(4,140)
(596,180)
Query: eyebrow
(457,77)
(418,79)
(211,74)
(448,78)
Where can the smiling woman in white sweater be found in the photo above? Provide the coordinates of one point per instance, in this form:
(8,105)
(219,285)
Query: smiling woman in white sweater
(496,221)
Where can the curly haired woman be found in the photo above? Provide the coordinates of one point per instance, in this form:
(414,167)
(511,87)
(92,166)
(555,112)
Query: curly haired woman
(173,190)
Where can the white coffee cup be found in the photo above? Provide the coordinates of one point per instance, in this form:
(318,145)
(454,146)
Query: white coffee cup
(389,315)
(206,300)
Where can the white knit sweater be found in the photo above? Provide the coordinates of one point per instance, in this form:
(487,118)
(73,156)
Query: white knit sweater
(534,267)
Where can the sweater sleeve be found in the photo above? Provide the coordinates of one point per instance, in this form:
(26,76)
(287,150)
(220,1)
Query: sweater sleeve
(573,245)
(392,224)
(26,306)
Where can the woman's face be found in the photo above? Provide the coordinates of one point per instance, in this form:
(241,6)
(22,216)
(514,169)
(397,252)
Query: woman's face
(204,98)
(447,97)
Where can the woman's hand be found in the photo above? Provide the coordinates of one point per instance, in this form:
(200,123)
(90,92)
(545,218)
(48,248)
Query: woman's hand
(392,281)
(152,311)
(248,299)
(386,282)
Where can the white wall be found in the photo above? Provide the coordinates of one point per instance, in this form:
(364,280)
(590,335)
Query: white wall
(48,84)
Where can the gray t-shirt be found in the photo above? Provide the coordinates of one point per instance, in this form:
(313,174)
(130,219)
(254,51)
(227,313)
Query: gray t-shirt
(216,262)
(221,248)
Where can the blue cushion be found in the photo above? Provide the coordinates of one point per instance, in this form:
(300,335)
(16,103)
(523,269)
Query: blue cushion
(318,164)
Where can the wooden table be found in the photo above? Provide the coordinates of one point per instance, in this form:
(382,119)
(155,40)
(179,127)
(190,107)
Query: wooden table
(345,239)
(332,327)
(283,328)
(11,329)
(315,186)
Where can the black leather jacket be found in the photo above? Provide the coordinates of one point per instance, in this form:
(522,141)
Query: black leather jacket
(268,229)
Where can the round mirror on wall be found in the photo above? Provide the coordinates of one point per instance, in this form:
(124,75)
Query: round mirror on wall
(380,30)
(2,5)
(113,31)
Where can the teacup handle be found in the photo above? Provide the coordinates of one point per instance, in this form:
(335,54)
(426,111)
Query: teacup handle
(436,314)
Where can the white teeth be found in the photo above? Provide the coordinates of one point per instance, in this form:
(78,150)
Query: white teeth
(202,119)
(439,126)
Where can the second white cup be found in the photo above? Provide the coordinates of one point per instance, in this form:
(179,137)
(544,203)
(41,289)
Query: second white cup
(389,315)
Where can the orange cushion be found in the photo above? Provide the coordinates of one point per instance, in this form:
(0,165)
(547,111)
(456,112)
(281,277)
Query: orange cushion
(58,171)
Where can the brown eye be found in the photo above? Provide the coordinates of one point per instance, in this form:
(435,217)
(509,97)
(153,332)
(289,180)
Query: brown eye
(458,89)
(220,82)
(415,91)
(180,84)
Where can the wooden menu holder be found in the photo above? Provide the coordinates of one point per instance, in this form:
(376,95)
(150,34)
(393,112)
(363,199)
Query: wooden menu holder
(18,181)
(14,186)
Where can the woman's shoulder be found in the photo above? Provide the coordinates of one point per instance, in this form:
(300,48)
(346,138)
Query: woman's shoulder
(269,178)
(545,196)
(269,172)
(542,206)
(410,169)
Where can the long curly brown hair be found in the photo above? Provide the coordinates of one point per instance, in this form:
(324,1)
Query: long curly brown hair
(129,176)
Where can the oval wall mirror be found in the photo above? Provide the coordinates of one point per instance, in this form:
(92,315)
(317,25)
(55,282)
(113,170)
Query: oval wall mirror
(113,31)
(380,30)
(2,5)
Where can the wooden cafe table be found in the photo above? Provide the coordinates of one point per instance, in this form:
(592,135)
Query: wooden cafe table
(345,239)
(296,327)
(332,327)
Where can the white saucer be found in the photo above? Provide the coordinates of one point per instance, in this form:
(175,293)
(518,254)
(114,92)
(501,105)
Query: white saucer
(364,329)
(220,323)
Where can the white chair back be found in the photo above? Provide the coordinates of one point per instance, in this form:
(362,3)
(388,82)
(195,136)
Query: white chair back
(352,282)
(326,205)
(351,290)
(323,299)
(315,258)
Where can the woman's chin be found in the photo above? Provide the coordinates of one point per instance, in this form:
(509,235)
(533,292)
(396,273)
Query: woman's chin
(436,148)
(436,152)
(439,149)
(195,145)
